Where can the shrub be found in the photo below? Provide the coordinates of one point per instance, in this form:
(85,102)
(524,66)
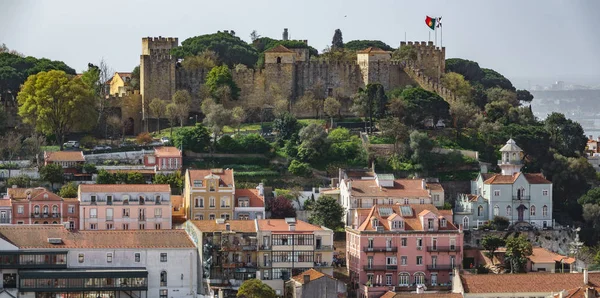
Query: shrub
(253,143)
(227,144)
(68,190)
(90,168)
(196,139)
(19,181)
(143,138)
(500,223)
(88,141)
(298,168)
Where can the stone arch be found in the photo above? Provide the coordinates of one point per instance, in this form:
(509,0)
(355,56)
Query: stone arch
(129,126)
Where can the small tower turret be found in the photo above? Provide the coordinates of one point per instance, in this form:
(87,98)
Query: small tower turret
(511,161)
(285,34)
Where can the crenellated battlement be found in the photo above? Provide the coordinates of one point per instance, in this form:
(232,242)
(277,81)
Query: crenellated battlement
(151,44)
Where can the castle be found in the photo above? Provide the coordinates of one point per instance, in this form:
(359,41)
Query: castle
(293,73)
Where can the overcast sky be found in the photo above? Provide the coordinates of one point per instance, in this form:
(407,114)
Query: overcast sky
(539,41)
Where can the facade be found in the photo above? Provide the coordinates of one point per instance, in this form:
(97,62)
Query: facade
(249,203)
(209,194)
(312,283)
(125,207)
(228,254)
(164,160)
(5,211)
(63,263)
(288,247)
(520,197)
(360,189)
(41,206)
(69,160)
(402,247)
(120,84)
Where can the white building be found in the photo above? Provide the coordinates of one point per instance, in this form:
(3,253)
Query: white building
(63,263)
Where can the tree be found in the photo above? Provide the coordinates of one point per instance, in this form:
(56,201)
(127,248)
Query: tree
(157,110)
(171,113)
(105,177)
(286,125)
(421,146)
(357,45)
(327,212)
(204,60)
(313,144)
(11,145)
(220,76)
(230,49)
(566,136)
(95,78)
(457,84)
(143,138)
(56,104)
(68,190)
(590,197)
(254,35)
(254,288)
(331,107)
(196,138)
(517,251)
(497,94)
(20,181)
(469,69)
(175,180)
(238,116)
(492,243)
(309,102)
(281,208)
(33,146)
(52,173)
(463,115)
(135,78)
(299,168)
(135,178)
(338,41)
(370,103)
(182,100)
(405,53)
(216,117)
(392,127)
(421,105)
(524,96)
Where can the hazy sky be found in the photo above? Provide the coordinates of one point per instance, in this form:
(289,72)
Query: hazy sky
(539,41)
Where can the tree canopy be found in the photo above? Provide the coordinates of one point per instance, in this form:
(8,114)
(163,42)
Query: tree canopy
(230,49)
(281,208)
(327,212)
(357,45)
(422,104)
(337,41)
(195,138)
(219,77)
(254,288)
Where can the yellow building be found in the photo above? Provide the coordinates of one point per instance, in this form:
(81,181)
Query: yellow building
(209,194)
(120,84)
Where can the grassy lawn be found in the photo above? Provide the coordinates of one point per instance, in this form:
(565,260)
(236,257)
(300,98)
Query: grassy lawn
(311,121)
(50,148)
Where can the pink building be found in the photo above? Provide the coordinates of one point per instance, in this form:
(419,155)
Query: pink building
(125,206)
(164,159)
(400,247)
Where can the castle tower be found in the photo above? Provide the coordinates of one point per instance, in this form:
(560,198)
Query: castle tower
(157,70)
(374,65)
(511,162)
(430,59)
(280,69)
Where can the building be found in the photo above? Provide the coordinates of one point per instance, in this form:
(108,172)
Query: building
(71,161)
(178,212)
(164,160)
(228,254)
(520,197)
(401,247)
(362,189)
(51,261)
(288,247)
(120,84)
(249,203)
(6,211)
(209,194)
(391,294)
(41,206)
(312,283)
(125,206)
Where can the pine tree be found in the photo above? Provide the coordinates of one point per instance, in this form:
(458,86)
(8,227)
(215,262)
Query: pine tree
(338,42)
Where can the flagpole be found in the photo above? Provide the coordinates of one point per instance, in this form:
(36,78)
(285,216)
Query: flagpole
(441,40)
(429,35)
(435,33)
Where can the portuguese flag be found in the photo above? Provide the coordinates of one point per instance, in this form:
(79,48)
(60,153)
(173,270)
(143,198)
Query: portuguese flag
(430,22)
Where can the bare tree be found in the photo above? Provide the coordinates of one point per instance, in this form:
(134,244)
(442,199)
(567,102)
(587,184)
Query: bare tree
(157,110)
(11,144)
(115,124)
(171,113)
(182,100)
(238,115)
(101,89)
(33,146)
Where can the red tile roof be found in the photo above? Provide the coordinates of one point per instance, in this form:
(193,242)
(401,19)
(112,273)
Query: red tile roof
(279,225)
(167,151)
(226,176)
(19,193)
(390,294)
(436,186)
(510,179)
(411,223)
(64,156)
(241,226)
(402,188)
(36,236)
(255,200)
(314,275)
(46,195)
(279,49)
(542,255)
(5,202)
(125,188)
(525,283)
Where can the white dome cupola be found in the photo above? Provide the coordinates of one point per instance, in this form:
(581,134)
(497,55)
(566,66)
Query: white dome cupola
(511,161)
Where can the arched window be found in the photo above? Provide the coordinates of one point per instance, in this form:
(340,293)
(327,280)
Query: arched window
(163,278)
(403,279)
(508,211)
(278,60)
(54,222)
(496,210)
(36,209)
(545,210)
(480,210)
(465,223)
(45,222)
(45,209)
(532,210)
(54,209)
(420,278)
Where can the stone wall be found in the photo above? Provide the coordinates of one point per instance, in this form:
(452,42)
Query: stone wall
(554,240)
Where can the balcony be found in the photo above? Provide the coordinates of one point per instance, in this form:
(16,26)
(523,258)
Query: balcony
(324,247)
(36,215)
(443,248)
(55,215)
(510,162)
(380,267)
(142,218)
(440,267)
(265,247)
(521,198)
(380,249)
(249,247)
(322,264)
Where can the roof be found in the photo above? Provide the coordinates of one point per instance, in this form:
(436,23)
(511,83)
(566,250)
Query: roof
(402,188)
(536,178)
(542,255)
(167,151)
(411,219)
(314,275)
(279,225)
(255,199)
(240,226)
(124,74)
(226,176)
(64,156)
(578,292)
(279,49)
(19,193)
(5,202)
(511,145)
(390,294)
(141,171)
(125,188)
(372,50)
(525,283)
(177,201)
(36,236)
(435,186)
(46,195)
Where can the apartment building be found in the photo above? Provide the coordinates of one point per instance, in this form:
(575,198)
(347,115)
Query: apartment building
(165,160)
(125,207)
(250,203)
(41,206)
(401,247)
(288,247)
(51,261)
(209,194)
(5,211)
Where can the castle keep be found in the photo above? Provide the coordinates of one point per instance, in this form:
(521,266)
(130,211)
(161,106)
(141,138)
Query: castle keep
(292,72)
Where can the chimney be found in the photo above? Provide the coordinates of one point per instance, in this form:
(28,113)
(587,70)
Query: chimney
(423,184)
(227,227)
(585,277)
(589,292)
(306,278)
(292,227)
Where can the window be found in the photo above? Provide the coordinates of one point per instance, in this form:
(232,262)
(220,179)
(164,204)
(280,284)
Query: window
(157,199)
(20,222)
(20,209)
(55,209)
(480,210)
(430,224)
(496,210)
(157,226)
(45,210)
(403,279)
(71,209)
(508,211)
(201,217)
(93,226)
(211,216)
(110,226)
(125,212)
(36,209)
(224,202)
(142,227)
(109,200)
(465,223)
(436,198)
(163,294)
(452,244)
(109,257)
(406,201)
(403,260)
(403,241)
(443,222)
(93,213)
(212,202)
(93,199)
(80,258)
(419,243)
(388,242)
(532,210)
(374,222)
(391,261)
(137,257)
(157,212)
(109,214)
(71,225)
(419,260)
(434,279)
(163,278)
(200,202)
(496,193)
(225,216)
(545,211)
(370,243)
(163,256)
(125,226)
(422,201)
(544,192)
(398,224)
(419,278)
(388,279)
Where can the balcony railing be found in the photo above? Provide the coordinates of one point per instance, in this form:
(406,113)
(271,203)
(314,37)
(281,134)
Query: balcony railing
(510,162)
(380,267)
(380,249)
(322,264)
(443,248)
(522,198)
(324,247)
(441,267)
(249,247)
(265,247)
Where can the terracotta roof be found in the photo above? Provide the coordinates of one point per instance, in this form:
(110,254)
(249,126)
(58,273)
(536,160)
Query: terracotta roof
(279,49)
(19,193)
(241,226)
(5,202)
(578,292)
(390,294)
(64,156)
(359,173)
(36,236)
(177,201)
(50,196)
(525,283)
(402,188)
(252,194)
(279,225)
(536,179)
(412,222)
(226,176)
(168,151)
(124,74)
(435,186)
(374,50)
(472,197)
(445,212)
(542,255)
(510,179)
(314,275)
(141,171)
(125,188)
